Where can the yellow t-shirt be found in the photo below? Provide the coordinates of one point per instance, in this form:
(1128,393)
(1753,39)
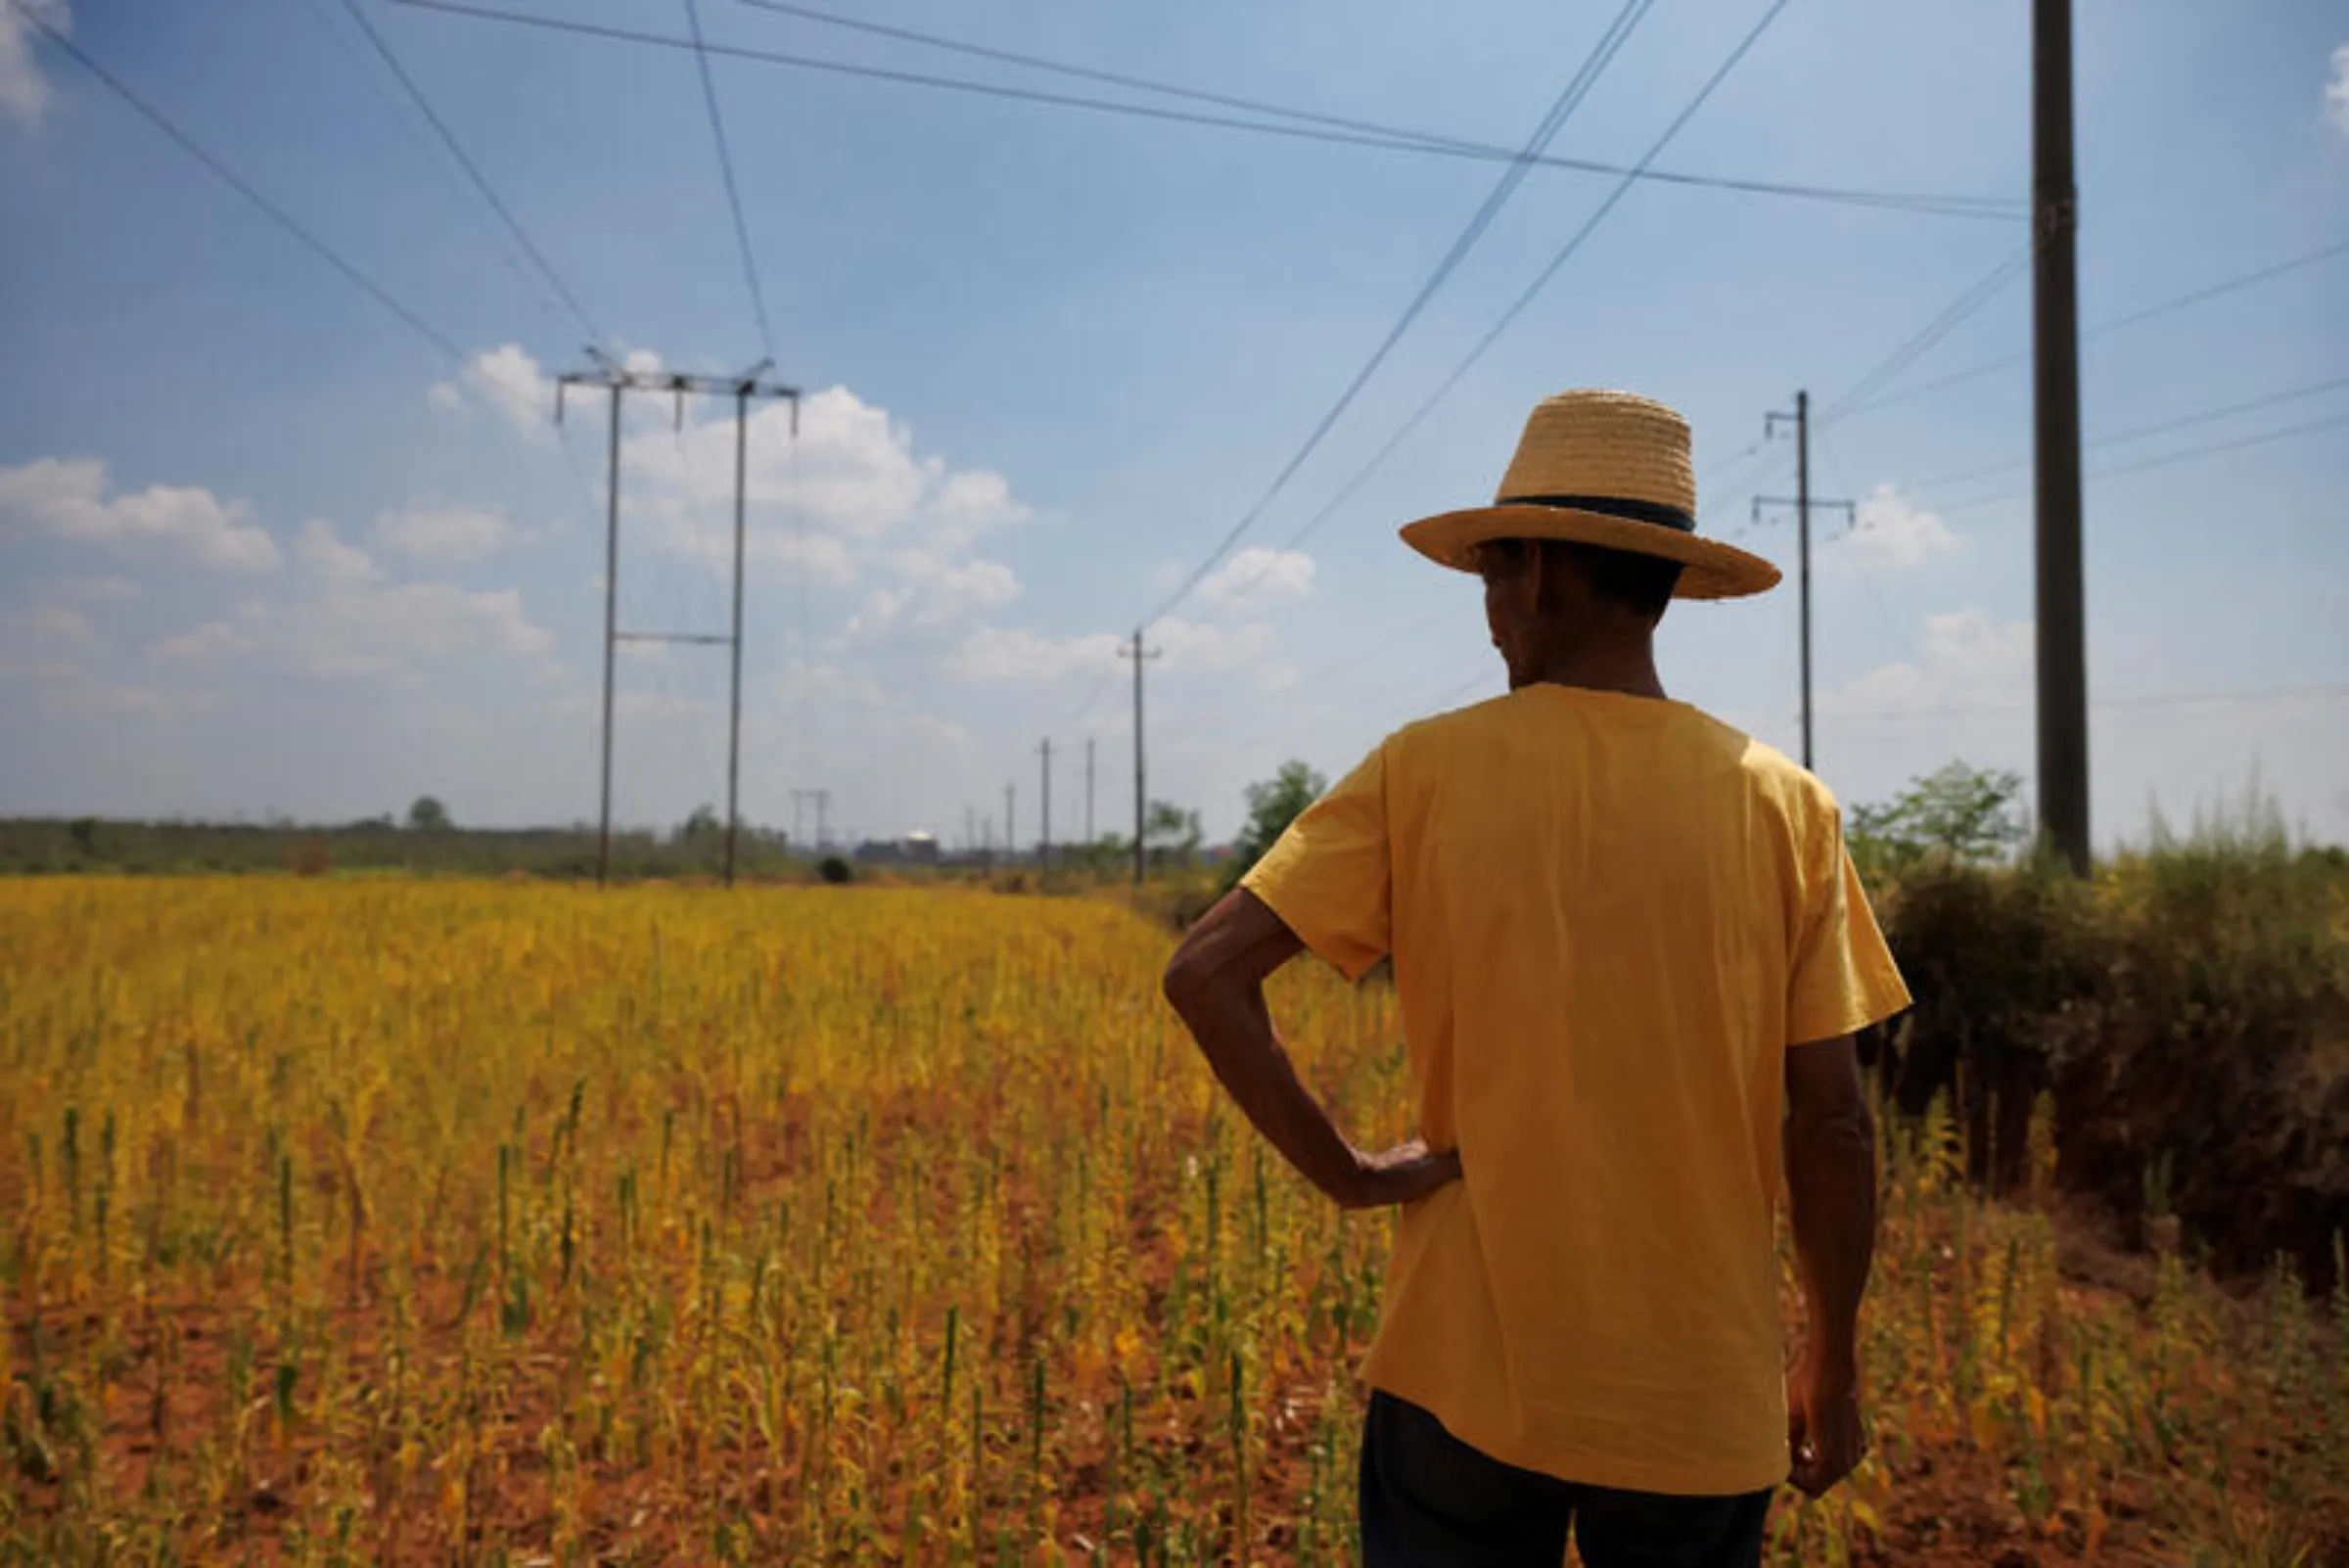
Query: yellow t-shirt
(1609,917)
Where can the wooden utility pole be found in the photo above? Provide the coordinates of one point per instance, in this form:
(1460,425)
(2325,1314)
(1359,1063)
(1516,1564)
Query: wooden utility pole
(1011,833)
(1139,657)
(1802,503)
(1043,847)
(616,377)
(2062,618)
(1089,790)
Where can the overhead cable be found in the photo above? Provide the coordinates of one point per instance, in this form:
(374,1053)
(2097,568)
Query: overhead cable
(1996,209)
(725,167)
(237,182)
(473,172)
(2152,313)
(2141,432)
(2166,459)
(1988,205)
(1576,88)
(1915,348)
(1903,354)
(2150,699)
(1532,289)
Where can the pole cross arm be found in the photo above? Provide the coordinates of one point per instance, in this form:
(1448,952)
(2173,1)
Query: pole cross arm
(678,383)
(1761,501)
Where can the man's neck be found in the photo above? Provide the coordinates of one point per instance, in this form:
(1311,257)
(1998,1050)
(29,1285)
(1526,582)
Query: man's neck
(1628,667)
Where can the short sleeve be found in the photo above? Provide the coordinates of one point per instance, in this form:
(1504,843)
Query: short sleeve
(1328,877)
(1843,978)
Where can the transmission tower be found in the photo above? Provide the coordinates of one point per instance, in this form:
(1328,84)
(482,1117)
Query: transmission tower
(615,378)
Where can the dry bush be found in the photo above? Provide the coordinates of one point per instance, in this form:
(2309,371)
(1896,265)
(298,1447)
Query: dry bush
(2188,1009)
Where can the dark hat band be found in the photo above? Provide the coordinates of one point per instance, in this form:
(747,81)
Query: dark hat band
(1629,510)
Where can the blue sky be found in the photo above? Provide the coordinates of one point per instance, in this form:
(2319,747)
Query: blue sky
(265,548)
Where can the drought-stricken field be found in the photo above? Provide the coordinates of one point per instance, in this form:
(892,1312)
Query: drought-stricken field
(354,1222)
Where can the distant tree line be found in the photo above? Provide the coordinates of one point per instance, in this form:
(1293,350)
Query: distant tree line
(426,840)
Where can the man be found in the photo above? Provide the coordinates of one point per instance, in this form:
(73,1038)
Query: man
(1631,953)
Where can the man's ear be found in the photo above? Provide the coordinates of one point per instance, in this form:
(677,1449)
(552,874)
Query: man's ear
(1547,570)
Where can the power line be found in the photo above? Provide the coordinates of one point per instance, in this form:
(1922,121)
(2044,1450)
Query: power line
(2193,453)
(369,68)
(1980,294)
(1630,175)
(2162,428)
(1569,98)
(2225,286)
(725,166)
(2186,456)
(473,172)
(1987,205)
(1385,139)
(2155,311)
(418,99)
(2152,700)
(237,182)
(1061,67)
(1908,352)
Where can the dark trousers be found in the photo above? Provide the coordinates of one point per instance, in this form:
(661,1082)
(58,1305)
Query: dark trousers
(1430,1501)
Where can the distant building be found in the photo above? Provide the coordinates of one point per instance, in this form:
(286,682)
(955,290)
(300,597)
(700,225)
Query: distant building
(914,848)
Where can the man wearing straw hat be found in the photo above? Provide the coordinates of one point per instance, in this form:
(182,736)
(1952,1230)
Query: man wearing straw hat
(1631,953)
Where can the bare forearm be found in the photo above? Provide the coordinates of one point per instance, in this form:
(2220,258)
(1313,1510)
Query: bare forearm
(1235,1030)
(1217,984)
(1831,1193)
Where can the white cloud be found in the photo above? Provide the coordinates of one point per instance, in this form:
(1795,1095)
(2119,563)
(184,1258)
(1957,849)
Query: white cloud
(23,90)
(971,502)
(851,472)
(857,474)
(1968,662)
(1207,648)
(343,618)
(343,566)
(66,498)
(446,533)
(382,630)
(509,383)
(144,702)
(208,640)
(1891,533)
(930,591)
(96,589)
(2336,91)
(1014,653)
(791,549)
(48,625)
(1183,647)
(1257,578)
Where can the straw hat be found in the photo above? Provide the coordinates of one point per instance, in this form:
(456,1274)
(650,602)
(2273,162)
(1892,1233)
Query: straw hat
(1605,468)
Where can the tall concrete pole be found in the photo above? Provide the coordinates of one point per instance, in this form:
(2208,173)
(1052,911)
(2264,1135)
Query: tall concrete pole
(2061,619)
(603,831)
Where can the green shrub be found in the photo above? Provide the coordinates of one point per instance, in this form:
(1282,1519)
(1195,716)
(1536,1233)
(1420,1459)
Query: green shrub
(2188,1009)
